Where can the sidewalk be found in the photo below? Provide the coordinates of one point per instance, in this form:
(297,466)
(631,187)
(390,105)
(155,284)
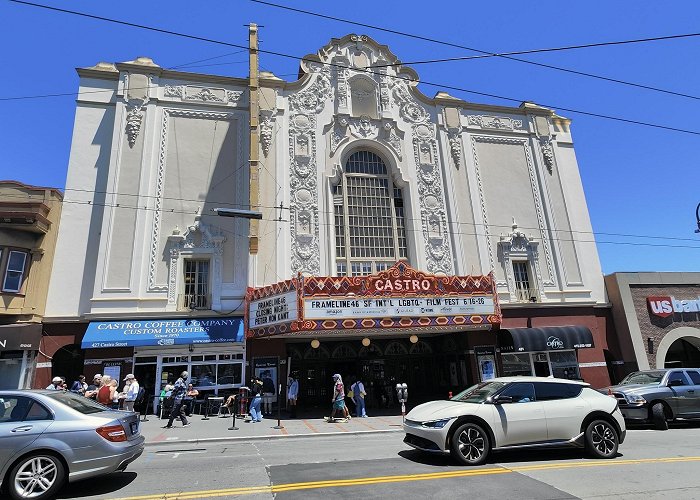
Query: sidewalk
(216,429)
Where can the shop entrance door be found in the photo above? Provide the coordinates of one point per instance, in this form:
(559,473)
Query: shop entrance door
(540,362)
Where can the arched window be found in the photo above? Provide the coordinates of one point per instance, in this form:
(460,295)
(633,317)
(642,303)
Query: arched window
(370,232)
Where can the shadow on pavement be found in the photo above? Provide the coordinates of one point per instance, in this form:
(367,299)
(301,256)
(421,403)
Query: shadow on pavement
(501,457)
(105,485)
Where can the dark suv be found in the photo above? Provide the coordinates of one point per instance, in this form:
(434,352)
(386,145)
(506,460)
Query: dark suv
(659,396)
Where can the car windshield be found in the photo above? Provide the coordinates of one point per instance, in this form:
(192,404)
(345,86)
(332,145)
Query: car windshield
(643,378)
(78,403)
(479,393)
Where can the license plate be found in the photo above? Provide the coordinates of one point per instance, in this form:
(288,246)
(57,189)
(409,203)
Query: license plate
(134,428)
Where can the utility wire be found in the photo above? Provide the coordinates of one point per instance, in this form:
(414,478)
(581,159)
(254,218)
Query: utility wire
(506,55)
(410,229)
(331,214)
(296,58)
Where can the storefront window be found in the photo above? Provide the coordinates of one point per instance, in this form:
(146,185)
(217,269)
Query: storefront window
(203,376)
(564,364)
(230,374)
(516,364)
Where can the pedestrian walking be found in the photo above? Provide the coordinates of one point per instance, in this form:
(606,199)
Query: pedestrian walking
(292,395)
(338,398)
(256,387)
(178,396)
(358,395)
(131,393)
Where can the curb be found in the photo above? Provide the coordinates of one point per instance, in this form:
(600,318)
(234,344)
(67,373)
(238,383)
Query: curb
(265,438)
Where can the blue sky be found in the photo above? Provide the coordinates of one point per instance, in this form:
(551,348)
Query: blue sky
(641,183)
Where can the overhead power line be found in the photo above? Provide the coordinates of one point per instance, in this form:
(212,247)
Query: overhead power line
(506,55)
(297,58)
(323,212)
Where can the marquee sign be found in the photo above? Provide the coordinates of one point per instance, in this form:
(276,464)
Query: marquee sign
(399,297)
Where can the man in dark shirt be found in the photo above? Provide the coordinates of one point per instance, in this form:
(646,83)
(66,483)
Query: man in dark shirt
(91,391)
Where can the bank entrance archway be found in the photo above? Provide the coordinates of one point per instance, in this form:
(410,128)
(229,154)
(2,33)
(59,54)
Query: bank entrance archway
(680,348)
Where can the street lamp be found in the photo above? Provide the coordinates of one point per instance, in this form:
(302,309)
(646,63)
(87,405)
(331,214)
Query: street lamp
(242,214)
(697,216)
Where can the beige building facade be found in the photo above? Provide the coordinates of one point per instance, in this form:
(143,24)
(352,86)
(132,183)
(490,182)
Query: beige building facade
(29,218)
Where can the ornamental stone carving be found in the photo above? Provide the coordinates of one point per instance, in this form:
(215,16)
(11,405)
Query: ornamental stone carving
(304,212)
(495,122)
(547,152)
(134,117)
(364,128)
(209,95)
(518,246)
(409,108)
(455,147)
(432,201)
(267,125)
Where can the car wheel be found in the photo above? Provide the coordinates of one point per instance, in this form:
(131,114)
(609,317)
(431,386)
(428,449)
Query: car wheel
(602,439)
(658,417)
(470,444)
(37,477)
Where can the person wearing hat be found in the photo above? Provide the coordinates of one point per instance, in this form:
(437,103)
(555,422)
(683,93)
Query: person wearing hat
(131,392)
(56,384)
(91,391)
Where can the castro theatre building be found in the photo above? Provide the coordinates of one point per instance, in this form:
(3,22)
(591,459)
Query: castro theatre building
(396,326)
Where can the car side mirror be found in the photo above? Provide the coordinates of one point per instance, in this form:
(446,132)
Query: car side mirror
(499,400)
(674,383)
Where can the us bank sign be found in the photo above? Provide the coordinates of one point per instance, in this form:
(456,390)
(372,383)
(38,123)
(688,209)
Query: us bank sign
(664,306)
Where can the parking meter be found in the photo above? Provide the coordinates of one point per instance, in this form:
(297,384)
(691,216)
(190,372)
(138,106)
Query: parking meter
(402,394)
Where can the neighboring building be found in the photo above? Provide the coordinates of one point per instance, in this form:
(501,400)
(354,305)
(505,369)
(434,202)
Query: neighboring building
(369,171)
(29,217)
(356,173)
(148,280)
(657,319)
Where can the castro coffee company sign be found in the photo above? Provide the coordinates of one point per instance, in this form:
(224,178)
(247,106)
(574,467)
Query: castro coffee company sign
(665,306)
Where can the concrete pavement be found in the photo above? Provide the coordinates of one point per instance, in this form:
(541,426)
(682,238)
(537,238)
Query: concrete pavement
(215,429)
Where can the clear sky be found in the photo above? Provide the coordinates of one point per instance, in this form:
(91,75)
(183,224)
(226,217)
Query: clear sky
(641,183)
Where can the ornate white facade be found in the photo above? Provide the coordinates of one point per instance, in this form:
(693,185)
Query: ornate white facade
(155,150)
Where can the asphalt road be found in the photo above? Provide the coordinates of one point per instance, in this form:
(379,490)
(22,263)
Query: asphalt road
(651,465)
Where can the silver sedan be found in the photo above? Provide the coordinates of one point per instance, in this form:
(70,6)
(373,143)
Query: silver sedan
(50,437)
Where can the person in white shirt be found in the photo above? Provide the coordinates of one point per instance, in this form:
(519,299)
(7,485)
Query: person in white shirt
(56,384)
(131,393)
(292,394)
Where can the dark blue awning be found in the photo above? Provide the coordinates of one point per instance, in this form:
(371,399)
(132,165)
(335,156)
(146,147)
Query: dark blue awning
(153,332)
(550,338)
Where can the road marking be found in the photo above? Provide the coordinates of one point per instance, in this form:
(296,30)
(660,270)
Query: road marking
(337,483)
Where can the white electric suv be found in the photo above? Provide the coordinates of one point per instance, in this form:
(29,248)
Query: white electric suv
(517,412)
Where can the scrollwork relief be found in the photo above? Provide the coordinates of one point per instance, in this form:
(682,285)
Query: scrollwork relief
(267,125)
(134,117)
(432,205)
(495,122)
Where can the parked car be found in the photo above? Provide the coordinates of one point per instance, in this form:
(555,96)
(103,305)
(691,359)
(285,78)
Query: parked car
(50,437)
(659,396)
(517,412)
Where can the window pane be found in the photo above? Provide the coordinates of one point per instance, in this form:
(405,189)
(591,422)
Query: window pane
(694,376)
(203,375)
(520,392)
(564,364)
(230,373)
(15,271)
(547,391)
(677,376)
(516,364)
(523,291)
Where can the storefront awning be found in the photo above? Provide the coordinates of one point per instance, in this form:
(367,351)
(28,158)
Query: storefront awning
(552,338)
(20,337)
(154,332)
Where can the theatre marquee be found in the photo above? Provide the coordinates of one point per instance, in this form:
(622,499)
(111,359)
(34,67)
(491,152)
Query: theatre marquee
(399,297)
